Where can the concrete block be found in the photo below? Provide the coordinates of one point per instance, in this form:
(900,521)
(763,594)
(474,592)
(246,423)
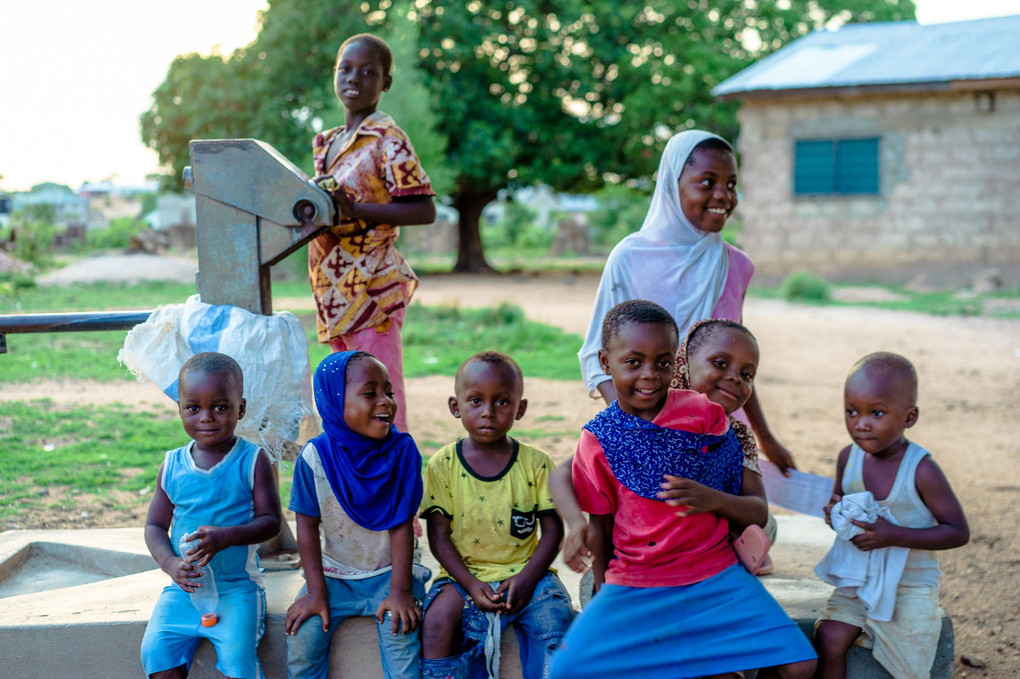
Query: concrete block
(95,630)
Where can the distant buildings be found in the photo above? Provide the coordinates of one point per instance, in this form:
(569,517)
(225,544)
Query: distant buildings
(883,150)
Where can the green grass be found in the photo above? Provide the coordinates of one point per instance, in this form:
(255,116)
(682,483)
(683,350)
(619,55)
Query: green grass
(112,452)
(84,449)
(436,339)
(113,296)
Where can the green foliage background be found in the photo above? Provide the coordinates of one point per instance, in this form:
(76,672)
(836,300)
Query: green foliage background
(567,92)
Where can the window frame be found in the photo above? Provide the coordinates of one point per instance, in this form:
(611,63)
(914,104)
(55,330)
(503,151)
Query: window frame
(837,167)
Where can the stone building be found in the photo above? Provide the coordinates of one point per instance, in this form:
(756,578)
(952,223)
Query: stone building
(883,151)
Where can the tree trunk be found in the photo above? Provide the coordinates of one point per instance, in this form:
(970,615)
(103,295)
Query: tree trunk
(470,257)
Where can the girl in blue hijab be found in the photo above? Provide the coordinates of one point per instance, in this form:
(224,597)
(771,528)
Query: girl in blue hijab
(356,489)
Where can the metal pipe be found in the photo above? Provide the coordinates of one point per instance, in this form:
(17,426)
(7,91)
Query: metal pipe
(69,322)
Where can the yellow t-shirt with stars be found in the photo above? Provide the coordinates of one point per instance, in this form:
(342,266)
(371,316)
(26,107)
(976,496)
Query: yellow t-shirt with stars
(493,520)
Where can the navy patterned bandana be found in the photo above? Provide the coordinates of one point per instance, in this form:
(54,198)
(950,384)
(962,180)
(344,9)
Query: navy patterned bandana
(640,453)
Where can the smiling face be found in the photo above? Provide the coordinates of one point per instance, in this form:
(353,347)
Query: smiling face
(488,400)
(639,358)
(360,78)
(878,409)
(210,404)
(723,365)
(708,188)
(369,406)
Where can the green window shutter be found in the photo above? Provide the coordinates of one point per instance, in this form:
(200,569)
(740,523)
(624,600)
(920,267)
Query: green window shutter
(856,166)
(814,167)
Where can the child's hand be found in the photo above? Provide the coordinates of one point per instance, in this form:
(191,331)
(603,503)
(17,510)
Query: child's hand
(575,548)
(517,592)
(183,572)
(307,606)
(777,453)
(403,609)
(211,541)
(693,496)
(487,600)
(828,508)
(875,536)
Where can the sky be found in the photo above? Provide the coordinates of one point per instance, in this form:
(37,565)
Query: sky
(75,77)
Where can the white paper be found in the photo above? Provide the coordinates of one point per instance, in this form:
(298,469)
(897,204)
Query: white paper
(801,492)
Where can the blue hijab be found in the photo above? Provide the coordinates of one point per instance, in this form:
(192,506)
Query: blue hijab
(376,481)
(640,452)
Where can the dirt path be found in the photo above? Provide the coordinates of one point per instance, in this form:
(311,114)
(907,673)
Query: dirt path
(970,382)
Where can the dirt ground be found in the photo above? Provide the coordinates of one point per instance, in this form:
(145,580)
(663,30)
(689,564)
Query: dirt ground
(970,381)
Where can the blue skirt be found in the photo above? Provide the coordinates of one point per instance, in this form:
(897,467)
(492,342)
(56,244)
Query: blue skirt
(727,623)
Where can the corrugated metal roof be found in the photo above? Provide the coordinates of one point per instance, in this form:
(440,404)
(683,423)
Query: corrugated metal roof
(893,53)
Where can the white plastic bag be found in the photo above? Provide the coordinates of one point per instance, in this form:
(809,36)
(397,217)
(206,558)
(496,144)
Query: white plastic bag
(271,350)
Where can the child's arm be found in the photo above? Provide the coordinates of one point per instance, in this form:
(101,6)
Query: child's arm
(403,211)
(837,486)
(441,544)
(773,449)
(400,601)
(316,599)
(263,526)
(519,588)
(157,539)
(600,541)
(744,509)
(561,488)
(951,531)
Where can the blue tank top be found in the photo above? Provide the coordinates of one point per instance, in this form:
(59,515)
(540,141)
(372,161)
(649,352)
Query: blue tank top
(220,496)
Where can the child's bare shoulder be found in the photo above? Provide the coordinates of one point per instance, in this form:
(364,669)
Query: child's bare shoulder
(929,474)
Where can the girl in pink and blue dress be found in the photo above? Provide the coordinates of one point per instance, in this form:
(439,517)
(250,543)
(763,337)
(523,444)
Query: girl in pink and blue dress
(671,593)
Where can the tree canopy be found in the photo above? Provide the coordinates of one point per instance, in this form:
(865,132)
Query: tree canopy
(570,93)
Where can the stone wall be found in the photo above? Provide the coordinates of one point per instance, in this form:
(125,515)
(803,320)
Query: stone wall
(949,200)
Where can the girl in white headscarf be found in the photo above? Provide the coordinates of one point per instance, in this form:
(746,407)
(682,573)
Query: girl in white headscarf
(679,261)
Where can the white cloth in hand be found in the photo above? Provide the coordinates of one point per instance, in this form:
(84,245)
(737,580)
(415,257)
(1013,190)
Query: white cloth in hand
(875,573)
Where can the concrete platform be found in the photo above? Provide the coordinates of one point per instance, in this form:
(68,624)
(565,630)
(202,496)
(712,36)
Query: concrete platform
(95,625)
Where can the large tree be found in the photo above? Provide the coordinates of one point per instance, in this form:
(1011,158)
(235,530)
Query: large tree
(566,92)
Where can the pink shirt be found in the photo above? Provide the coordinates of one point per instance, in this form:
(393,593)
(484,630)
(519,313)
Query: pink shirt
(738,277)
(653,546)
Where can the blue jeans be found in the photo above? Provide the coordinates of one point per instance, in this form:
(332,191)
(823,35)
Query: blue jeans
(540,625)
(308,649)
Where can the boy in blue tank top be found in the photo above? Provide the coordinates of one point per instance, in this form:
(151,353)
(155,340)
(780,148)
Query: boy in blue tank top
(219,491)
(892,508)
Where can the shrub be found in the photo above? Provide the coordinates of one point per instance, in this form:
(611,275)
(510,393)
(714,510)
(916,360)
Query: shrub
(805,287)
(117,235)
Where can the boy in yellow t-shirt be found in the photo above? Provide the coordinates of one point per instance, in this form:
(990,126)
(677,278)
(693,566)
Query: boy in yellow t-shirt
(493,527)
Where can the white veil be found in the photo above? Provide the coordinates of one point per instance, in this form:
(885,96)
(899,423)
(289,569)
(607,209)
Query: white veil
(669,261)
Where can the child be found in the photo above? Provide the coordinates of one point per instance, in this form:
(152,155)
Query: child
(896,610)
(679,260)
(361,284)
(218,490)
(675,599)
(360,481)
(719,358)
(493,528)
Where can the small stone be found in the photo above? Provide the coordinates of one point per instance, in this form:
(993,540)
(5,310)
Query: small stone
(973,661)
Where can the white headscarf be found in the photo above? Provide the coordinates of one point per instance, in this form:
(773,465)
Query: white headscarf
(669,261)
